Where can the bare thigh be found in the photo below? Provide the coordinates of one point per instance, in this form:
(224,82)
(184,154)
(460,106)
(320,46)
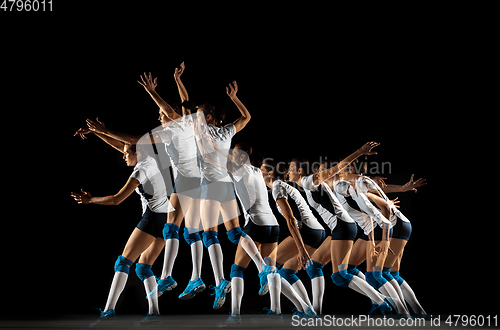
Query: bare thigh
(229,212)
(241,258)
(269,250)
(210,210)
(293,262)
(358,252)
(149,256)
(340,251)
(136,244)
(322,255)
(398,246)
(285,250)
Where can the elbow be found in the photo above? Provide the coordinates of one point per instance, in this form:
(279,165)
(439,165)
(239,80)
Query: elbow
(116,200)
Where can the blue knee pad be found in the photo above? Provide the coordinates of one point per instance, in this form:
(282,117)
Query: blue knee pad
(289,275)
(340,280)
(193,237)
(210,237)
(235,234)
(314,270)
(370,278)
(143,271)
(170,231)
(398,278)
(352,269)
(237,271)
(122,264)
(379,278)
(386,273)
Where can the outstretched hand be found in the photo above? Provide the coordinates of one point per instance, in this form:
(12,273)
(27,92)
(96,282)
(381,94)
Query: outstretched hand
(232,89)
(148,82)
(413,185)
(82,132)
(82,198)
(178,72)
(366,149)
(96,126)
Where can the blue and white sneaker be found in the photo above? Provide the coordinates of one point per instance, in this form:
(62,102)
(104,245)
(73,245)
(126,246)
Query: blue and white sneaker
(232,320)
(162,285)
(149,319)
(309,312)
(383,308)
(264,286)
(220,293)
(192,289)
(107,315)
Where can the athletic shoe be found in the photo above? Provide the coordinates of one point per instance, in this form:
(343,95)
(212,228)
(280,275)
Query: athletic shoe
(149,319)
(162,285)
(310,312)
(231,320)
(192,289)
(383,308)
(107,315)
(220,293)
(264,286)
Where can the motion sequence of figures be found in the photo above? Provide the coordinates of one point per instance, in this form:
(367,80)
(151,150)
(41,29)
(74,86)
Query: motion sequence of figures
(208,179)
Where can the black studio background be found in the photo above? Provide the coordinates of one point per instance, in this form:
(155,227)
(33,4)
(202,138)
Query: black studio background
(420,85)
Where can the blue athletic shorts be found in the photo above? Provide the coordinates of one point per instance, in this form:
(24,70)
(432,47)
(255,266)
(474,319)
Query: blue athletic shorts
(218,191)
(152,223)
(377,234)
(344,231)
(190,187)
(312,237)
(402,230)
(262,234)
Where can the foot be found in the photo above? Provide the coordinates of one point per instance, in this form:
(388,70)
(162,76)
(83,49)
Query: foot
(192,289)
(220,293)
(162,285)
(107,315)
(149,319)
(264,286)
(231,321)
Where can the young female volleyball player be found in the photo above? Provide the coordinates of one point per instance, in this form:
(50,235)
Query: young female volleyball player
(146,239)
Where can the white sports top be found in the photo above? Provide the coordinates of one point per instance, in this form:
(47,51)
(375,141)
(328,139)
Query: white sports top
(303,213)
(214,143)
(323,199)
(252,192)
(152,187)
(180,144)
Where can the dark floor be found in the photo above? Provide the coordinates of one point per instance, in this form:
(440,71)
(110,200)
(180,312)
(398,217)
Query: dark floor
(218,321)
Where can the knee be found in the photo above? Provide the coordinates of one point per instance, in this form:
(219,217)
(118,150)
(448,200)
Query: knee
(352,269)
(289,274)
(342,281)
(210,237)
(386,273)
(237,271)
(170,231)
(379,277)
(235,234)
(370,278)
(191,237)
(315,269)
(143,271)
(122,264)
(398,278)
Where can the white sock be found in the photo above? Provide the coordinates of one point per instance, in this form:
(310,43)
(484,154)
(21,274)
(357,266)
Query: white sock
(216,258)
(290,293)
(171,248)
(237,289)
(411,298)
(361,286)
(389,291)
(318,290)
(396,287)
(250,248)
(119,281)
(196,257)
(149,285)
(275,291)
(298,286)
(361,275)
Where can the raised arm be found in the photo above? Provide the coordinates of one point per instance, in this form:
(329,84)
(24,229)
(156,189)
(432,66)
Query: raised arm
(410,185)
(366,149)
(241,122)
(101,130)
(149,85)
(85,198)
(118,145)
(182,90)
